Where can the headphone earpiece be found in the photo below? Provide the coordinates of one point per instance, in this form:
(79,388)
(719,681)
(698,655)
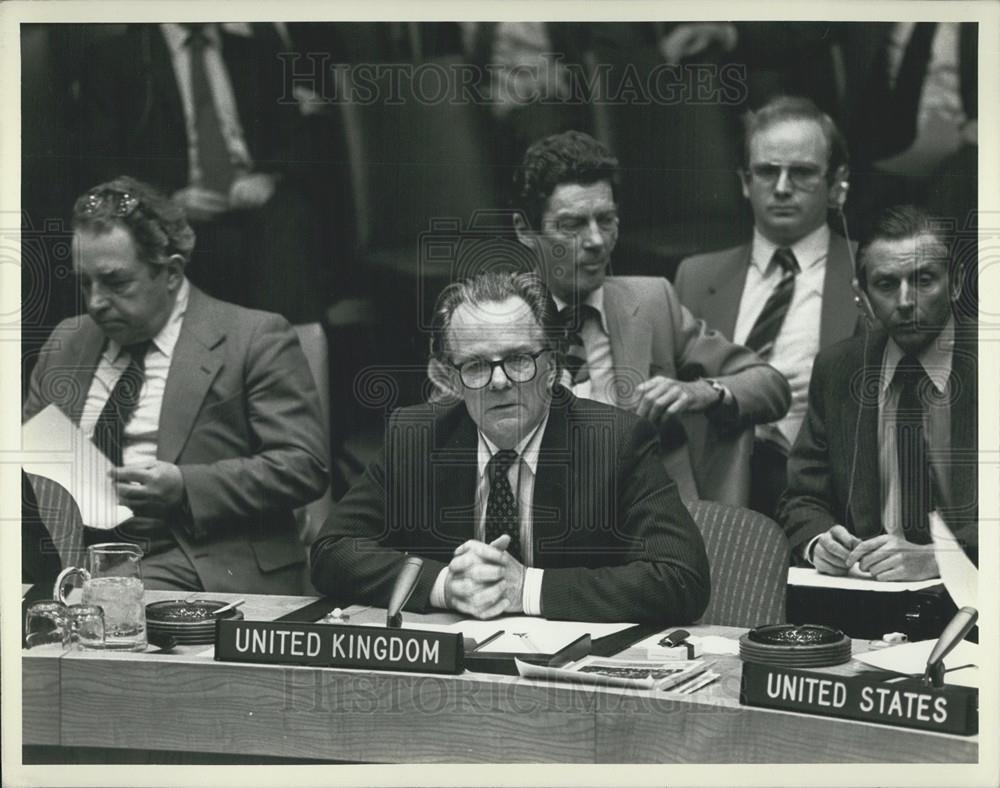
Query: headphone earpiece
(863,304)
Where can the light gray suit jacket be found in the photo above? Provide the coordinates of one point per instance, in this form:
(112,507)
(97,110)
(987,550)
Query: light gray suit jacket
(711,286)
(652,334)
(240,418)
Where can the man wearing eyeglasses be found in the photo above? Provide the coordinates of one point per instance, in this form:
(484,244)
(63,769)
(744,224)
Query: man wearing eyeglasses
(206,410)
(629,342)
(518,496)
(787,293)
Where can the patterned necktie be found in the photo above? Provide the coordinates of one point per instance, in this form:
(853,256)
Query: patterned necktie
(911,450)
(217,170)
(109,432)
(501,509)
(768,324)
(574,352)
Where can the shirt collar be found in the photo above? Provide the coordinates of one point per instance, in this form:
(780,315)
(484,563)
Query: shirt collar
(177,35)
(809,250)
(595,298)
(935,358)
(527,448)
(166,338)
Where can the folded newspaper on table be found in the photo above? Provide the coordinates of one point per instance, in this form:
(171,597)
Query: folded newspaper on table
(54,447)
(605,671)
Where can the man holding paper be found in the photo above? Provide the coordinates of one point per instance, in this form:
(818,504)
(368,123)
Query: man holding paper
(207,410)
(890,434)
(518,496)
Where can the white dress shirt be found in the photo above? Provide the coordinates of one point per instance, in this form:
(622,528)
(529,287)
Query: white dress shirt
(521,475)
(142,431)
(797,343)
(222,94)
(936,361)
(597,344)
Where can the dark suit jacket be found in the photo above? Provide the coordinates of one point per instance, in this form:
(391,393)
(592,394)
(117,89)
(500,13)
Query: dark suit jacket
(240,417)
(833,470)
(711,286)
(610,531)
(652,334)
(133,118)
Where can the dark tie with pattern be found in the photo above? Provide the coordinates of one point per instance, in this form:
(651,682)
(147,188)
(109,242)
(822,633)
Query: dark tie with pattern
(109,431)
(217,170)
(501,509)
(574,351)
(768,324)
(911,450)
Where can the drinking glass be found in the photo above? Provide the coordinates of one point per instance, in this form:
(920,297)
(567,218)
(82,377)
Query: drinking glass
(86,626)
(45,624)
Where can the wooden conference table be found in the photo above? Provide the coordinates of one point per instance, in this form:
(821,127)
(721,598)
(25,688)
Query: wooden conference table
(185,702)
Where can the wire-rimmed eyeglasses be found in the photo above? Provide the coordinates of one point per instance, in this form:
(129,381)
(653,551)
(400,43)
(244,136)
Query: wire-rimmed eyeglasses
(476,373)
(802,176)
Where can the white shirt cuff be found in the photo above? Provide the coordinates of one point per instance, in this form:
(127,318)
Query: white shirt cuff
(808,553)
(531,594)
(437,590)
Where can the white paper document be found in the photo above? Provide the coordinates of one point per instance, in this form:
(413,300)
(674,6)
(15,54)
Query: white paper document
(641,674)
(526,634)
(911,658)
(55,447)
(960,576)
(807,576)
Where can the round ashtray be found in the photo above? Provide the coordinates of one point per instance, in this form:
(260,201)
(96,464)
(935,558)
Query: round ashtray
(180,613)
(795,646)
(795,635)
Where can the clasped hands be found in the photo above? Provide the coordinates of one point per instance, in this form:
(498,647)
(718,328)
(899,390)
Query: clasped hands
(661,397)
(248,191)
(484,580)
(150,489)
(884,557)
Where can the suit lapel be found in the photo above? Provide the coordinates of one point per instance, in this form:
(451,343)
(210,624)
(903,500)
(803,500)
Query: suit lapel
(964,424)
(83,369)
(549,515)
(861,408)
(196,361)
(838,317)
(722,306)
(454,476)
(631,335)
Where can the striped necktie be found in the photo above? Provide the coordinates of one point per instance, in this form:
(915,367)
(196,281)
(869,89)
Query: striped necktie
(109,431)
(765,329)
(574,351)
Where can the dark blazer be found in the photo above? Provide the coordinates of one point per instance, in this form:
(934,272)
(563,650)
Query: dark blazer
(833,470)
(133,118)
(711,286)
(240,417)
(652,334)
(610,531)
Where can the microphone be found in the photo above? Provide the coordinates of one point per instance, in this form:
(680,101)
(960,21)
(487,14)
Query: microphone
(406,581)
(953,634)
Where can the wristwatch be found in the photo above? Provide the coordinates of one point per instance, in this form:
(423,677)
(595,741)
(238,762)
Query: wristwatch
(720,389)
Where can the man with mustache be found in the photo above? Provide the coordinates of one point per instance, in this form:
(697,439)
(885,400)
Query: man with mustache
(890,433)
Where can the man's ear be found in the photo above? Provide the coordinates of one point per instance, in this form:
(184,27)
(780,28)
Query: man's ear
(956,281)
(744,183)
(175,271)
(524,233)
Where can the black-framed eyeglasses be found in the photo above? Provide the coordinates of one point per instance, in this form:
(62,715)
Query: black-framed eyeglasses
(125,203)
(476,373)
(802,176)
